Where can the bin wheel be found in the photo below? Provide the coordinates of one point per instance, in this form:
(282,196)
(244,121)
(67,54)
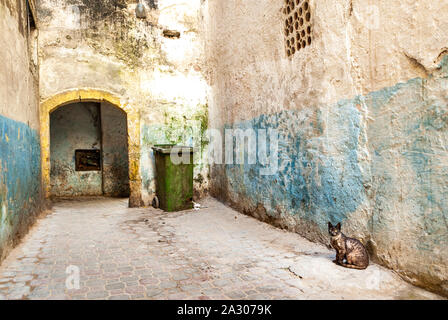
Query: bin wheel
(155,202)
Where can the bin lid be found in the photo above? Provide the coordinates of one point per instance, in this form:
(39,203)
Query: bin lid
(168,148)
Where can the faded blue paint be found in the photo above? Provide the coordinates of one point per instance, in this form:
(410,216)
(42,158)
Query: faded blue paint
(20,176)
(384,170)
(418,140)
(444,67)
(316,185)
(426,154)
(308,183)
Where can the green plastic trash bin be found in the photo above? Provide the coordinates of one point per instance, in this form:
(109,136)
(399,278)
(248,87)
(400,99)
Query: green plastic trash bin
(174,182)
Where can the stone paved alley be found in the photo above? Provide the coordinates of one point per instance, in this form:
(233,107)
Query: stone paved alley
(213,253)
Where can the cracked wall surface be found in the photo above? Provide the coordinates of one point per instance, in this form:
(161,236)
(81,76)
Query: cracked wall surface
(361,114)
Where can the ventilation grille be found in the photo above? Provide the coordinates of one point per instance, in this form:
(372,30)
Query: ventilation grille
(297,25)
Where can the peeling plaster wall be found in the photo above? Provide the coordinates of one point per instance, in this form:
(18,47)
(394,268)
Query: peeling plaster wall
(361,115)
(101,45)
(20,175)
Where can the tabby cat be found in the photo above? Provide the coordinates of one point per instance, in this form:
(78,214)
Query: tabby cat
(351,250)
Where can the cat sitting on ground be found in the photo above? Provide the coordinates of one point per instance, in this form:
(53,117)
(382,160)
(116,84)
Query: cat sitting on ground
(351,250)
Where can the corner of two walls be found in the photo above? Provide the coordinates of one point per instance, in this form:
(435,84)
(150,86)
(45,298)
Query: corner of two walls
(361,117)
(21,194)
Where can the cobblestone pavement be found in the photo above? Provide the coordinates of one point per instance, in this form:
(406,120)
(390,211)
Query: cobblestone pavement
(213,253)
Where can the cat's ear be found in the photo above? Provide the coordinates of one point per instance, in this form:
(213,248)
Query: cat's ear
(330,225)
(338,226)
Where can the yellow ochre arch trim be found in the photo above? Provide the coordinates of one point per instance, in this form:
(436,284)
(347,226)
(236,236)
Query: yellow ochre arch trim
(85,95)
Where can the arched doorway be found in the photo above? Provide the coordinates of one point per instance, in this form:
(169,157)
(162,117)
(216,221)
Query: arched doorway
(89,150)
(97,96)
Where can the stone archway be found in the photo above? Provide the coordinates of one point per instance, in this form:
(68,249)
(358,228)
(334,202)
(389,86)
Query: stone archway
(93,95)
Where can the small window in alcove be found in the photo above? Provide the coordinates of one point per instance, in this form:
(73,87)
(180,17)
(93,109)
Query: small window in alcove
(297,25)
(88,160)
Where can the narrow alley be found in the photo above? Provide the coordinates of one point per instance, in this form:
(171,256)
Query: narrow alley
(294,124)
(211,253)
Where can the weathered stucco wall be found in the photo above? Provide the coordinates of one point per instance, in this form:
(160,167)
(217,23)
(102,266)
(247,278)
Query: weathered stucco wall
(361,116)
(20,183)
(74,126)
(101,46)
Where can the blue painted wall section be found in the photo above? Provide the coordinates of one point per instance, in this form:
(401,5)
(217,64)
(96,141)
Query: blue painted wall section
(309,183)
(408,140)
(20,178)
(395,198)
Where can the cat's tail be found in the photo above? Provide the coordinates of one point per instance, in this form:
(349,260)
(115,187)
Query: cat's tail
(352,266)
